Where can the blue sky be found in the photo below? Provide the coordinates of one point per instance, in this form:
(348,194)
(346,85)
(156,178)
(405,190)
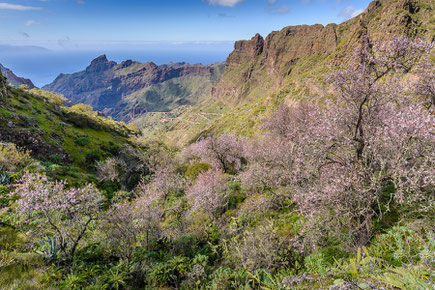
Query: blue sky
(84,24)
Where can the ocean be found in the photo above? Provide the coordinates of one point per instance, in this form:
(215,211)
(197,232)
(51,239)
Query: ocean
(43,66)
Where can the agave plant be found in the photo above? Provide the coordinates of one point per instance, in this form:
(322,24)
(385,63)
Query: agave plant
(51,248)
(4,178)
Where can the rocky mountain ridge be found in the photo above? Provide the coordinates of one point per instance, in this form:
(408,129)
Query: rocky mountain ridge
(130,88)
(15,80)
(292,64)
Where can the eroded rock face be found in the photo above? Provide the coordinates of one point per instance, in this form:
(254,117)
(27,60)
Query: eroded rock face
(244,51)
(15,80)
(258,66)
(106,85)
(266,62)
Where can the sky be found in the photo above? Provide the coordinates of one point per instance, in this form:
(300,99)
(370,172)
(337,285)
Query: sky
(39,39)
(84,24)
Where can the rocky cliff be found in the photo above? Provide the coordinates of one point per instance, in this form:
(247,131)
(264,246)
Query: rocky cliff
(15,80)
(258,66)
(131,88)
(291,64)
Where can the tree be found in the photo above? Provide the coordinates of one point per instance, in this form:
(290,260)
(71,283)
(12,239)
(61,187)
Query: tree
(224,152)
(131,224)
(52,210)
(209,192)
(348,151)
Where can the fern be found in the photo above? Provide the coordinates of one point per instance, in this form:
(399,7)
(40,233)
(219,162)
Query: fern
(407,278)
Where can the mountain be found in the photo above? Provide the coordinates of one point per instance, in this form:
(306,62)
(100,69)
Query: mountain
(290,65)
(130,89)
(66,140)
(184,101)
(14,80)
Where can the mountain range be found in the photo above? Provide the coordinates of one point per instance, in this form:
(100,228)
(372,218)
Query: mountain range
(184,101)
(15,80)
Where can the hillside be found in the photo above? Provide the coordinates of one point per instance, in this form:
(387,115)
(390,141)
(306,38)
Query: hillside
(292,64)
(308,164)
(15,80)
(131,89)
(68,141)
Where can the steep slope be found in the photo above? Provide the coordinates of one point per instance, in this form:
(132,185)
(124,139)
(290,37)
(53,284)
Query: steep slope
(15,80)
(67,141)
(130,89)
(292,64)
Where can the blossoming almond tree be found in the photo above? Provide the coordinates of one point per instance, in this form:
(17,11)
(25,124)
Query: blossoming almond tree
(372,136)
(345,152)
(209,192)
(51,209)
(225,152)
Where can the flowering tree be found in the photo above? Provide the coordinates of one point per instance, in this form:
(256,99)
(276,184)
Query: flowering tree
(225,152)
(425,85)
(50,209)
(131,224)
(345,153)
(209,192)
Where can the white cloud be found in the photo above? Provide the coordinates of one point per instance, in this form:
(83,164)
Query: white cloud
(31,22)
(281,10)
(227,3)
(357,12)
(9,6)
(271,2)
(349,12)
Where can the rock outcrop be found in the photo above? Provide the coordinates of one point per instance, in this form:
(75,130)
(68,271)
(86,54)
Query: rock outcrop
(131,87)
(15,80)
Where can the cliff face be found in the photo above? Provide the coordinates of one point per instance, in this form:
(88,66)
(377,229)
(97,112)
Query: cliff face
(292,64)
(15,80)
(259,66)
(131,88)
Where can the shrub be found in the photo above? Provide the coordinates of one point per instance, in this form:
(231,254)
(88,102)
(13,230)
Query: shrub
(82,141)
(196,169)
(50,209)
(13,157)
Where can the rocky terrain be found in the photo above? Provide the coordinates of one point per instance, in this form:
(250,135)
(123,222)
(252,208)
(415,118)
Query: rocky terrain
(130,89)
(15,80)
(183,101)
(291,64)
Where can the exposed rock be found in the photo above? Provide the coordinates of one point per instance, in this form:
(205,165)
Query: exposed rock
(15,80)
(244,51)
(109,87)
(256,66)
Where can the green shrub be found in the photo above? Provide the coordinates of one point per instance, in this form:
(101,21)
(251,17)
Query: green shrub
(196,169)
(82,141)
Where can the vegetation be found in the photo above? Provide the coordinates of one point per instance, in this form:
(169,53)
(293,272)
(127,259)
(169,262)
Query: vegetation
(337,193)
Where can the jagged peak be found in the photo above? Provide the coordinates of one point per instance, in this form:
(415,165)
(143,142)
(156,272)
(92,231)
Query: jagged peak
(100,63)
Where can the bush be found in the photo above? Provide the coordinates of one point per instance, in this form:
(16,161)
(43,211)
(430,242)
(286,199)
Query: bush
(82,141)
(13,157)
(196,169)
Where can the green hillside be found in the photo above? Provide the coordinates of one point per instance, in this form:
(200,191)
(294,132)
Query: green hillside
(293,67)
(67,140)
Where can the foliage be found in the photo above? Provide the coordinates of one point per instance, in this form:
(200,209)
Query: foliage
(49,209)
(196,169)
(224,152)
(12,157)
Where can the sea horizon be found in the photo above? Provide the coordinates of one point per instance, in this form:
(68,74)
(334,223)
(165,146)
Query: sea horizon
(42,67)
